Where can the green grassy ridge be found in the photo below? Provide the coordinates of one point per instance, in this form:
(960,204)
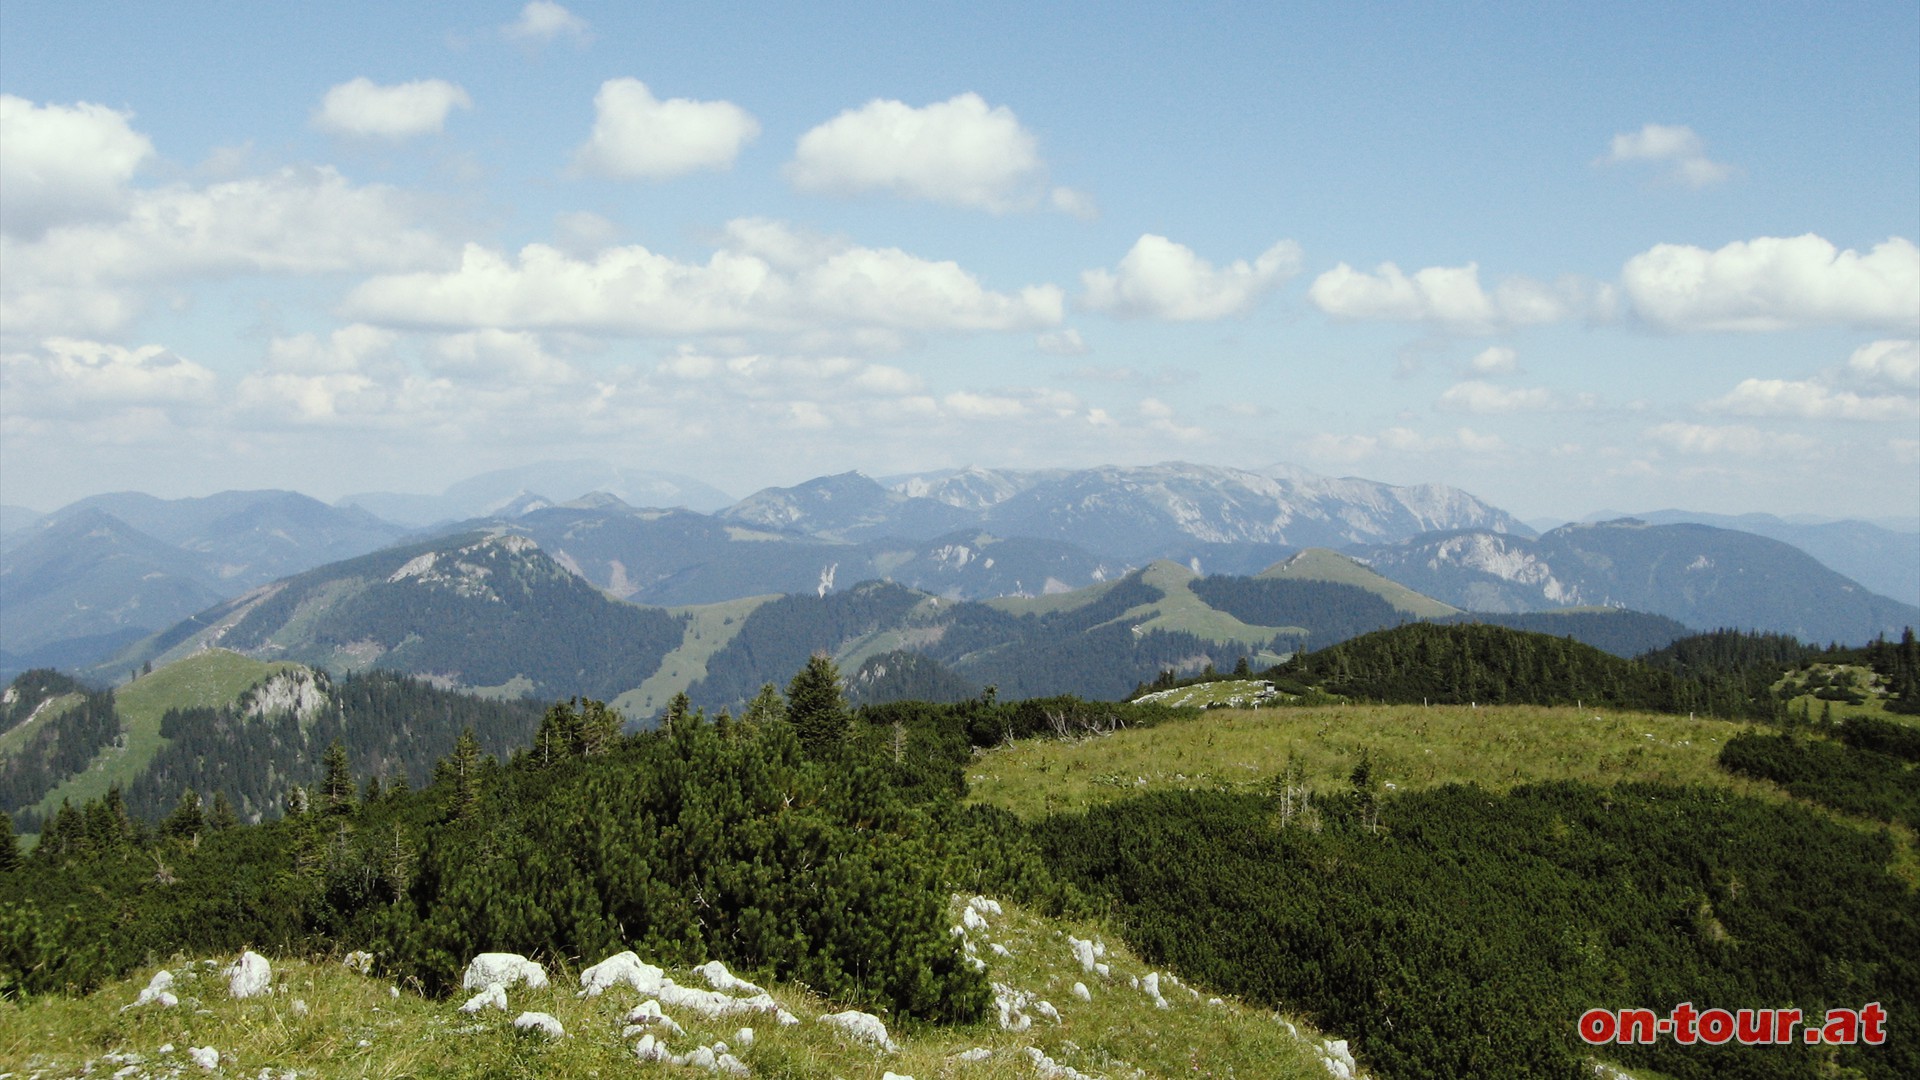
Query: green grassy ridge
(17,735)
(207,679)
(709,627)
(1322,564)
(1411,746)
(1180,610)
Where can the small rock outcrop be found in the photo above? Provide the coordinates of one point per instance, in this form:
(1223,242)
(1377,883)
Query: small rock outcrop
(494,995)
(249,976)
(504,969)
(541,1022)
(864,1027)
(159,991)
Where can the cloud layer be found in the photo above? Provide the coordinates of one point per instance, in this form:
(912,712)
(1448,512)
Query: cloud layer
(1673,145)
(1450,297)
(1160,279)
(361,108)
(637,136)
(1776,283)
(64,163)
(961,152)
(766,277)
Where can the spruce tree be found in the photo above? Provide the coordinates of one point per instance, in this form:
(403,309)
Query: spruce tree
(815,707)
(559,735)
(765,707)
(337,789)
(599,728)
(462,769)
(222,815)
(677,712)
(185,822)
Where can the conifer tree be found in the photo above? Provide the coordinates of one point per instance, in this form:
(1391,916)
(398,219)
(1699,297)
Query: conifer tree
(222,815)
(599,727)
(765,707)
(559,734)
(64,835)
(677,712)
(462,769)
(337,789)
(815,707)
(186,821)
(9,844)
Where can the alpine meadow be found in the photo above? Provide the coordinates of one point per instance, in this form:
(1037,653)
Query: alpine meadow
(868,542)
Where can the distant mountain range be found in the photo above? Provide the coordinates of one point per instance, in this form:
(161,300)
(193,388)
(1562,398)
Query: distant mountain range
(1884,560)
(1703,576)
(1138,513)
(511,490)
(78,585)
(497,614)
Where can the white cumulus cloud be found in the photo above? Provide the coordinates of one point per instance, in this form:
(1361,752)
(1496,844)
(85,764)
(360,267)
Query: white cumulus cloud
(1674,145)
(1347,449)
(1813,400)
(1161,279)
(1065,342)
(291,221)
(65,375)
(961,152)
(93,276)
(365,109)
(64,163)
(1776,283)
(1495,360)
(767,278)
(1448,296)
(1739,440)
(543,21)
(638,136)
(1887,363)
(1479,396)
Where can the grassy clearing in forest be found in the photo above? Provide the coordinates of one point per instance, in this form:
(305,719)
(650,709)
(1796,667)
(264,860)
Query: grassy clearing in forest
(207,679)
(1410,746)
(326,1021)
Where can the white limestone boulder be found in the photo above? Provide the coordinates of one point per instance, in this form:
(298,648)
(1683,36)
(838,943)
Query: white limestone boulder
(720,978)
(159,991)
(504,969)
(864,1027)
(621,969)
(494,996)
(249,976)
(541,1022)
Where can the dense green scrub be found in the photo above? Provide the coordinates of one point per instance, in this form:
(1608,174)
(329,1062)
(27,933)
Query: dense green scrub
(1853,776)
(1493,665)
(1462,933)
(801,842)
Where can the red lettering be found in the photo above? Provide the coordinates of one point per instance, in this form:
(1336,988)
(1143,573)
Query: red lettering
(1638,1026)
(1597,1026)
(1874,1018)
(1683,1017)
(1842,1026)
(1756,1025)
(1716,1026)
(1784,1021)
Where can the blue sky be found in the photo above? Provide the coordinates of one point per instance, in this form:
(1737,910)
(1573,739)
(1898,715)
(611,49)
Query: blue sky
(1639,257)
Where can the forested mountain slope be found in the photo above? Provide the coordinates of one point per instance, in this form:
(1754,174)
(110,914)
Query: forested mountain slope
(1702,576)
